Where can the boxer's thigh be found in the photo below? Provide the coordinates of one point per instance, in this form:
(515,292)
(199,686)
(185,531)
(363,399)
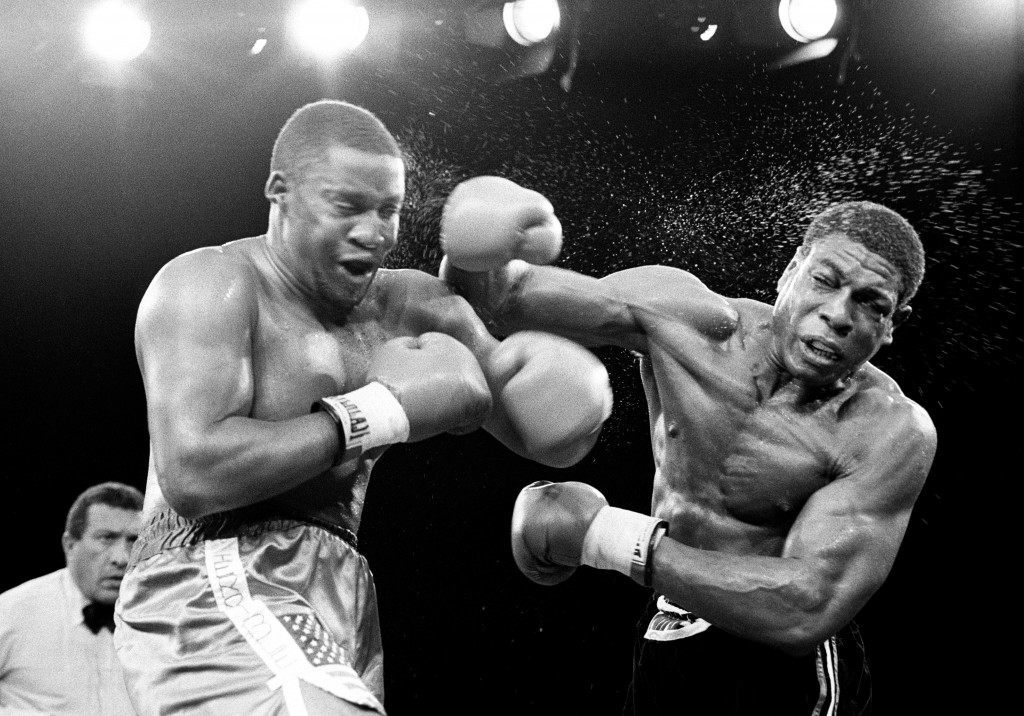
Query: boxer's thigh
(194,638)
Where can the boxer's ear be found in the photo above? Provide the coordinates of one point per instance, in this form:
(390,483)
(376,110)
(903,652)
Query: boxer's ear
(275,188)
(790,269)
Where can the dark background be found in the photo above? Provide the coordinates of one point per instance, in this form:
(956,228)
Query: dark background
(663,150)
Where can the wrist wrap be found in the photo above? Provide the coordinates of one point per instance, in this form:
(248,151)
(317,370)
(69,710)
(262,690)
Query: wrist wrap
(624,541)
(368,417)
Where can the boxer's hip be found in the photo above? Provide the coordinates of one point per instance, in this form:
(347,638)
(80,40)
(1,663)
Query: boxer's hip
(201,592)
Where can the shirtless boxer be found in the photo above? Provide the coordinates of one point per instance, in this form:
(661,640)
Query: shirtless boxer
(786,464)
(245,593)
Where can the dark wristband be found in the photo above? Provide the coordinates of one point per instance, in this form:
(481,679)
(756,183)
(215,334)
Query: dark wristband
(656,536)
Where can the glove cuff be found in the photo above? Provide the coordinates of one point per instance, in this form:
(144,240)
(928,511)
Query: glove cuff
(368,417)
(623,541)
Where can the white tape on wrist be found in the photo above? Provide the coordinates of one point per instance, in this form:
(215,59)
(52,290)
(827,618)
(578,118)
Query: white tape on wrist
(623,541)
(368,417)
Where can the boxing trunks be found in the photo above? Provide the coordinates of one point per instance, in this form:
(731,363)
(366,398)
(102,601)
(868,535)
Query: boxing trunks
(683,664)
(230,615)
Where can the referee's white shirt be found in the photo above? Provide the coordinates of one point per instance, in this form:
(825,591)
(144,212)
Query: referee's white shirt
(50,661)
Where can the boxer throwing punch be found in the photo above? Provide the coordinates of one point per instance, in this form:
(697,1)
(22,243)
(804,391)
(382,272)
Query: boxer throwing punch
(245,592)
(786,464)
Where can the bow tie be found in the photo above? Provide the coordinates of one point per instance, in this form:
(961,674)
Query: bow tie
(98,616)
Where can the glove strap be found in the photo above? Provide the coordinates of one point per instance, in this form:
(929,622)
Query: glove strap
(623,541)
(368,417)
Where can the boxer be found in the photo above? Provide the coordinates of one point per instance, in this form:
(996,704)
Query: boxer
(786,464)
(277,370)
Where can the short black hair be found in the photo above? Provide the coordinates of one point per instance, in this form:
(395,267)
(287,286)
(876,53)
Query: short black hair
(879,229)
(315,127)
(114,494)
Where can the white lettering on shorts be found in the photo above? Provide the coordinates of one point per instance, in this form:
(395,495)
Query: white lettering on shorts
(270,639)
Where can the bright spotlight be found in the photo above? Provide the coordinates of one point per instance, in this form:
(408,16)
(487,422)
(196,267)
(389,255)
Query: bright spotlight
(806,20)
(115,31)
(328,28)
(530,21)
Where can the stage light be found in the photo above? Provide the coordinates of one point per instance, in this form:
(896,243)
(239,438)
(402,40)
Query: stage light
(709,32)
(329,28)
(115,31)
(530,21)
(807,20)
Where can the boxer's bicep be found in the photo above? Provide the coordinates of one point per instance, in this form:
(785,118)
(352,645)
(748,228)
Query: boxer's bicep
(849,532)
(193,338)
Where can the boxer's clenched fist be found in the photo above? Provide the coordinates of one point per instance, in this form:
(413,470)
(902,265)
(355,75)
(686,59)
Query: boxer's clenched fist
(549,523)
(417,387)
(488,221)
(436,380)
(555,392)
(557,526)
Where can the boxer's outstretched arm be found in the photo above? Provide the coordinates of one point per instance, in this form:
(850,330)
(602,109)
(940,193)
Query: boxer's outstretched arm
(837,554)
(193,338)
(551,396)
(499,236)
(615,310)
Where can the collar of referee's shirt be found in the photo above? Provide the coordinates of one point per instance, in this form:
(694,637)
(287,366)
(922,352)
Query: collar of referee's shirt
(97,616)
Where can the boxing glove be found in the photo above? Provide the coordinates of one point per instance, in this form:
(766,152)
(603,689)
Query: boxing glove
(554,392)
(417,387)
(487,221)
(549,523)
(556,527)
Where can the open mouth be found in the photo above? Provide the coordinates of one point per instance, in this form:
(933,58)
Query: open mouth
(358,267)
(822,351)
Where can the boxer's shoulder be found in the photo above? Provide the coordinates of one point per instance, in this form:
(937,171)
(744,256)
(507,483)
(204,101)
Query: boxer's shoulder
(392,282)
(412,296)
(668,294)
(206,281)
(875,401)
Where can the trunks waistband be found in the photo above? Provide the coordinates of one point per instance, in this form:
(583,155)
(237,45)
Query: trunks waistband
(168,529)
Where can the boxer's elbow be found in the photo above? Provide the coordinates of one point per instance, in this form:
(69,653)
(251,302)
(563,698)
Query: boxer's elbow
(187,478)
(809,620)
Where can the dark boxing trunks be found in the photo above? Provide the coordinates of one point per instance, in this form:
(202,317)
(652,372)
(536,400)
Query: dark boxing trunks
(683,664)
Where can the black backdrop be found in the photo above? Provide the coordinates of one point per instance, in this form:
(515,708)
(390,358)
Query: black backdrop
(660,152)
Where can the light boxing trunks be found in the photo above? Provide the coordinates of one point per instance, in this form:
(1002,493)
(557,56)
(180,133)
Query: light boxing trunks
(231,616)
(683,664)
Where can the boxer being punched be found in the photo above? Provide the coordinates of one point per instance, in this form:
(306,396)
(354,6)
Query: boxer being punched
(786,464)
(277,369)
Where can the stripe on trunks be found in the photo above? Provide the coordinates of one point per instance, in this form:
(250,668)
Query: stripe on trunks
(271,640)
(827,665)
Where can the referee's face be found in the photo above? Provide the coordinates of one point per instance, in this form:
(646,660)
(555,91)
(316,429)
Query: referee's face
(98,558)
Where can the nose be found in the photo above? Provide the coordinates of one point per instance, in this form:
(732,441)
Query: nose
(837,313)
(371,233)
(120,551)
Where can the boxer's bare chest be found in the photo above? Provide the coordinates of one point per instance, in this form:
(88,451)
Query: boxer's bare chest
(735,461)
(297,360)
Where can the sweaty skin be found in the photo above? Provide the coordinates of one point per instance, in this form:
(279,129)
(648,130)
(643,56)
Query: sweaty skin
(786,464)
(236,342)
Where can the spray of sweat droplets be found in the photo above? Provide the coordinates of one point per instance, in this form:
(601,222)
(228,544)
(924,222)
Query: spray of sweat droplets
(722,179)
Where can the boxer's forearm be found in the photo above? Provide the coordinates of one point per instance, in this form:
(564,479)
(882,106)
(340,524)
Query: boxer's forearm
(783,602)
(520,296)
(240,461)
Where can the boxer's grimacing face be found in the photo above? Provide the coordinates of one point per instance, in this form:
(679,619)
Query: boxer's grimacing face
(837,305)
(97,560)
(341,220)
